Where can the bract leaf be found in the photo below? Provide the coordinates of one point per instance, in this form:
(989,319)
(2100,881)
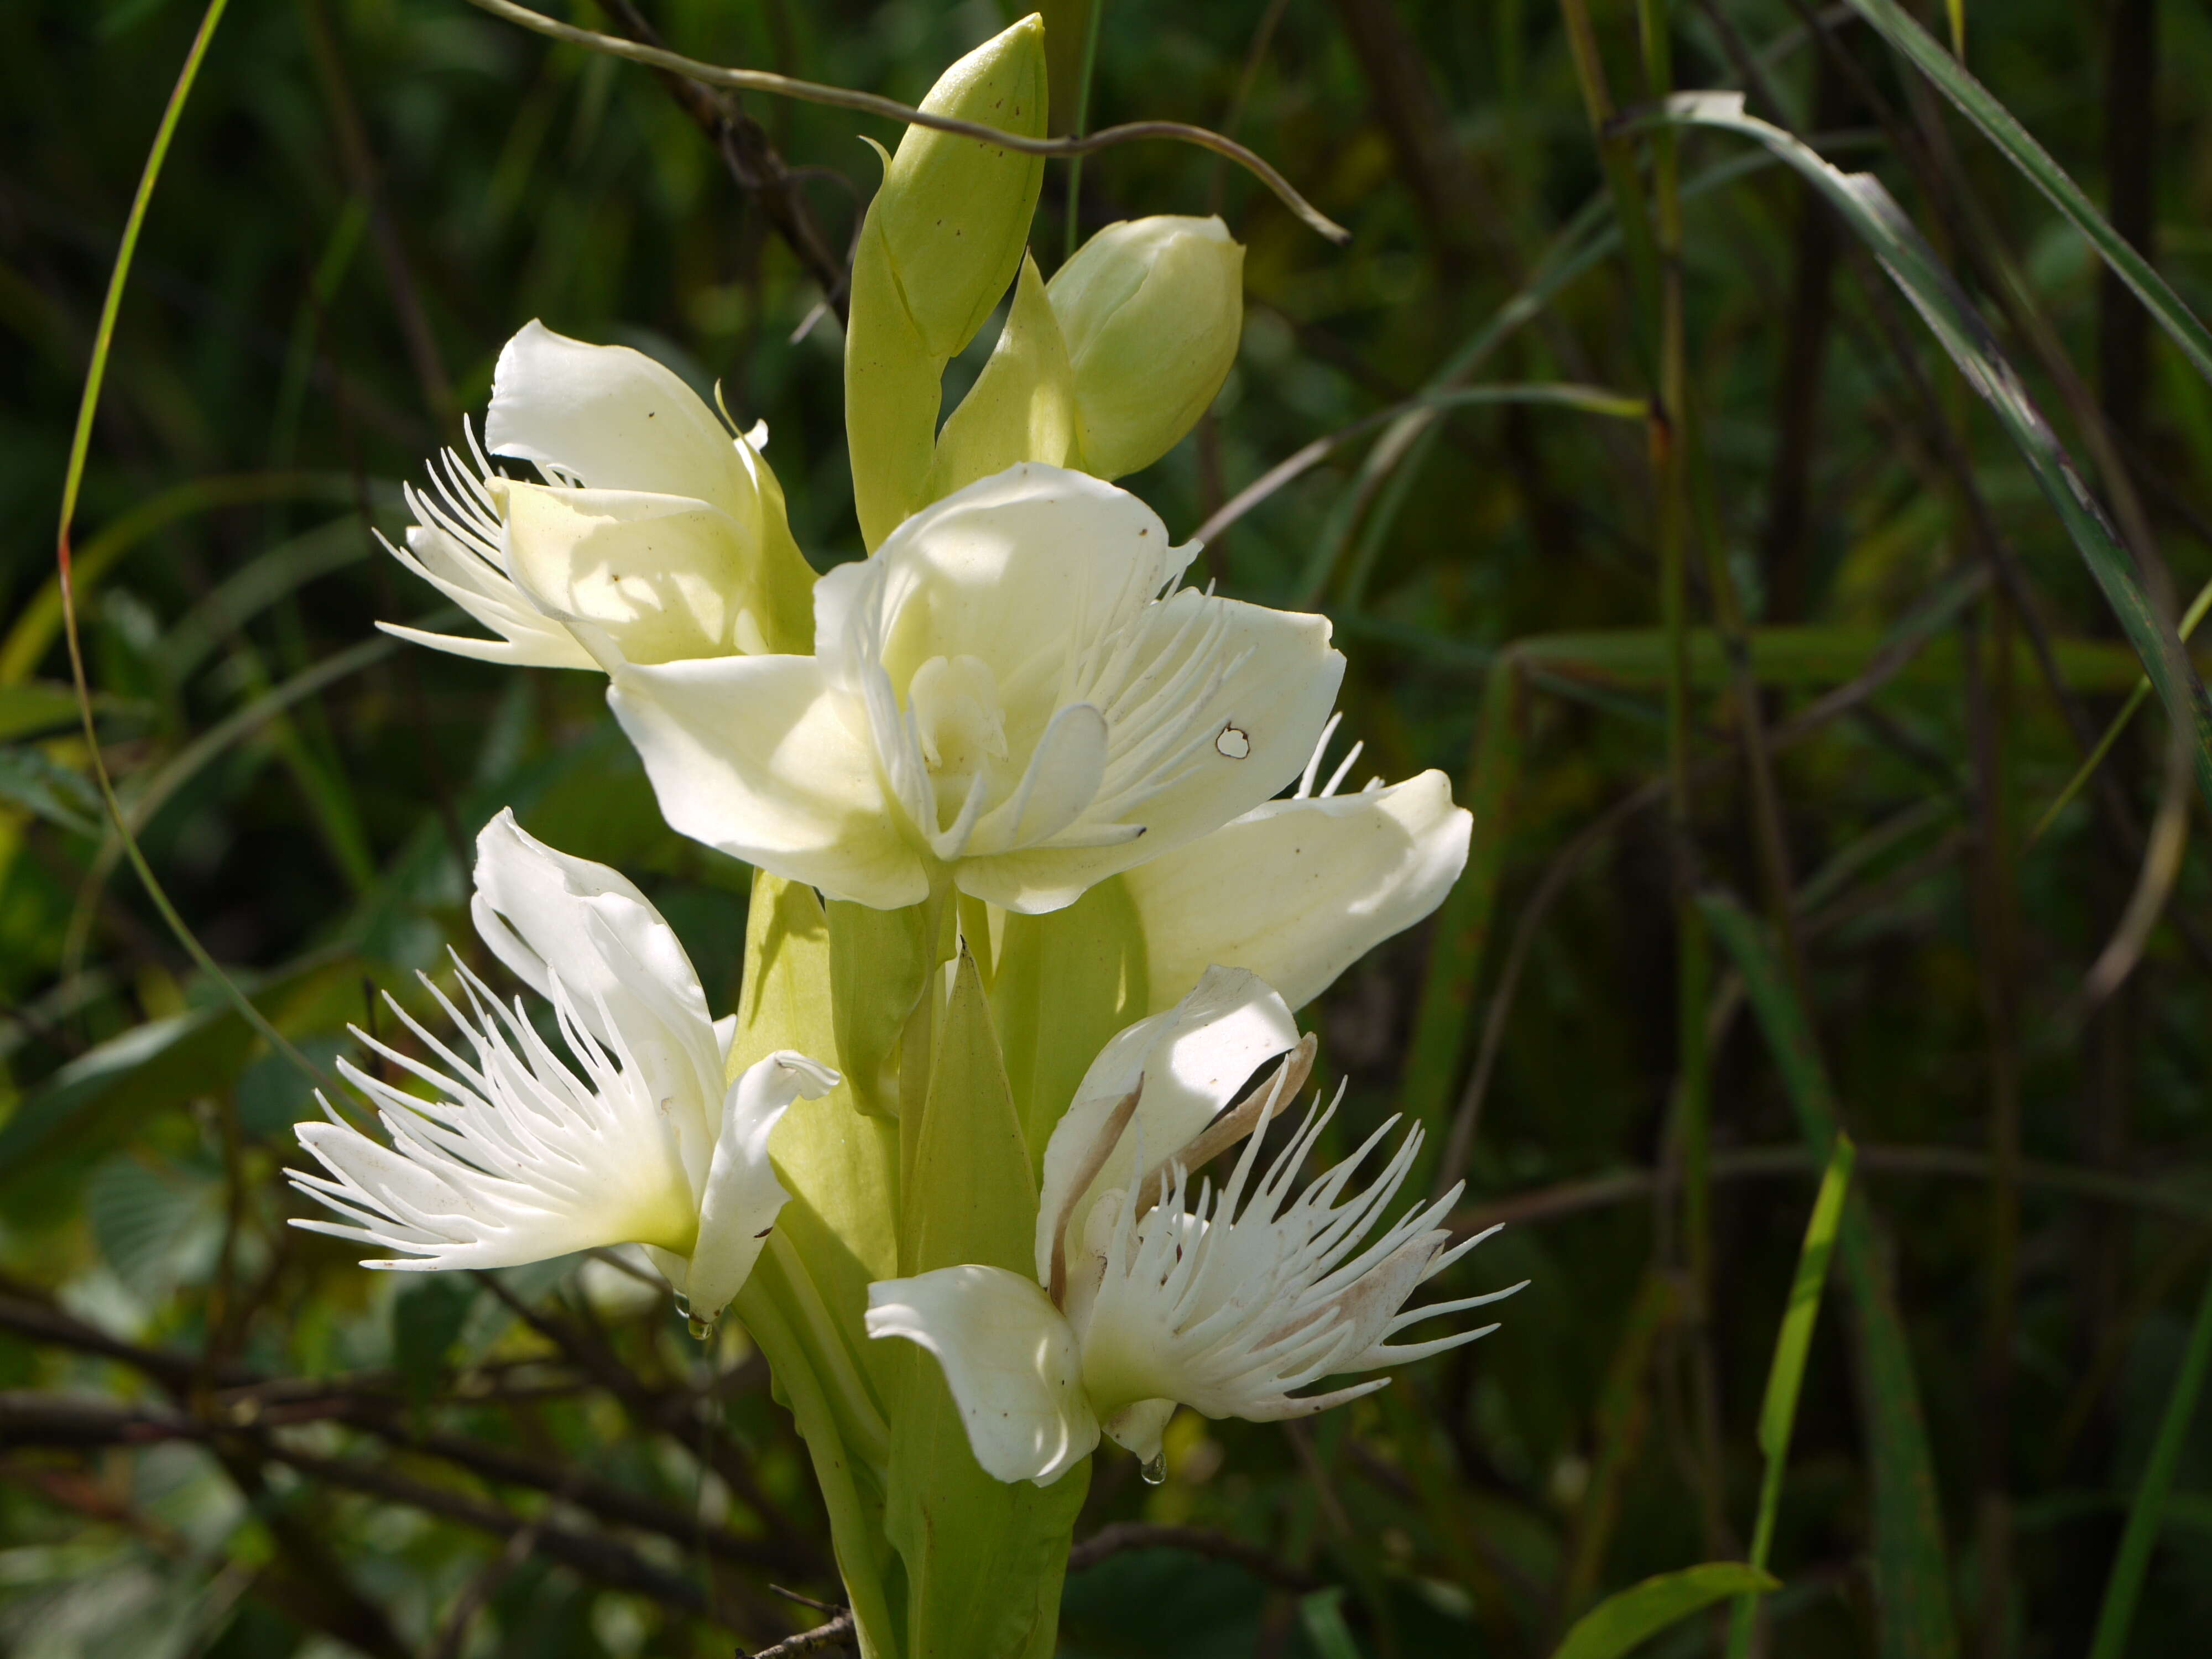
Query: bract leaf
(1066,983)
(1621,1622)
(1022,407)
(984,1559)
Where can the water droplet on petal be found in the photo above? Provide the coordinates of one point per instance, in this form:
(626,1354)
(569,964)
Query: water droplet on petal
(1156,1470)
(701,1328)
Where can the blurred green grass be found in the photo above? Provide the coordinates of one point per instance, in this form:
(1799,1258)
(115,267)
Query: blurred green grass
(310,316)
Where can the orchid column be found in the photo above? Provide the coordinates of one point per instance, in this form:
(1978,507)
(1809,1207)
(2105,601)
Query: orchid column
(1043,866)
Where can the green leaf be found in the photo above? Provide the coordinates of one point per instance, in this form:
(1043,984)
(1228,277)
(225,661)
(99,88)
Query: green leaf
(2019,146)
(1618,1624)
(984,1558)
(1064,984)
(1912,1575)
(1785,1376)
(2148,1513)
(1022,407)
(1321,1614)
(34,707)
(426,1316)
(51,791)
(155,1227)
(1875,216)
(89,1104)
(879,960)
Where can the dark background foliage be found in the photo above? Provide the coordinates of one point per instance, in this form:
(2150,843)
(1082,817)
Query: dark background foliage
(220,1437)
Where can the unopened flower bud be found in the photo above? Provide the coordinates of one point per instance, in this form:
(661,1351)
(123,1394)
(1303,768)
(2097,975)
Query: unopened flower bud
(1151,309)
(955,212)
(941,241)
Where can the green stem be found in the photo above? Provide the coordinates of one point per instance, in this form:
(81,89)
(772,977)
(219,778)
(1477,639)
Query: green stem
(1082,123)
(2125,1585)
(80,446)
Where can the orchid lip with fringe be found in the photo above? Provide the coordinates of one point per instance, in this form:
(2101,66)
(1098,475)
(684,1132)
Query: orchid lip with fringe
(520,1154)
(1145,1298)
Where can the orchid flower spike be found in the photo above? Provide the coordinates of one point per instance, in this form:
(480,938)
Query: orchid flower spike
(520,1155)
(1013,694)
(1145,1300)
(655,529)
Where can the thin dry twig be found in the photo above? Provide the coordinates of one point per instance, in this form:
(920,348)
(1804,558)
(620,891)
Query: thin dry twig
(869,103)
(836,1633)
(1138,1535)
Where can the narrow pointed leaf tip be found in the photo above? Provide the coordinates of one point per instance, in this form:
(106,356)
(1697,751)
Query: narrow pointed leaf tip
(1231,1302)
(521,1152)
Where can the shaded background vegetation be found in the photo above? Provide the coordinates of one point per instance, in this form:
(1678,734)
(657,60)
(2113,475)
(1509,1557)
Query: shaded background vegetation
(220,1437)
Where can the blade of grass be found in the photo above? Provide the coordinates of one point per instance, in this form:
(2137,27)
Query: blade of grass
(1084,73)
(2189,618)
(2146,1513)
(1622,1622)
(1868,208)
(1785,1376)
(1978,105)
(1462,927)
(80,446)
(1912,1575)
(40,620)
(1589,399)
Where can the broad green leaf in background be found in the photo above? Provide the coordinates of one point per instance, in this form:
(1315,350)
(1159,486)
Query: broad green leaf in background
(49,791)
(157,1225)
(1624,1620)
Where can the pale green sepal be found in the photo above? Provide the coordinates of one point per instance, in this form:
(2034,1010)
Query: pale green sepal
(954,211)
(984,1559)
(785,580)
(840,1165)
(879,960)
(1066,982)
(893,383)
(1022,407)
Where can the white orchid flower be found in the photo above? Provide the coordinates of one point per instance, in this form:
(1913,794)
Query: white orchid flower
(655,528)
(520,1155)
(1011,694)
(1141,1302)
(1299,889)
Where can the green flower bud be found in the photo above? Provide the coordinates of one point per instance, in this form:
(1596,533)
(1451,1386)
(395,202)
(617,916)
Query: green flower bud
(942,239)
(1151,309)
(956,213)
